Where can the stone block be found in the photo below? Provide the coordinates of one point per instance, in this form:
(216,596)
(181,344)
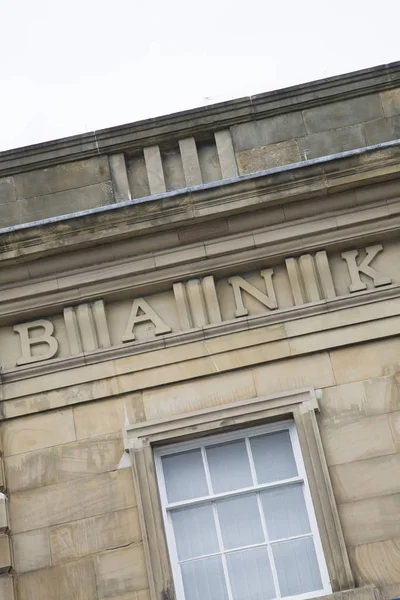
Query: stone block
(31,550)
(378,562)
(31,469)
(371,520)
(342,403)
(394,420)
(268,157)
(194,395)
(72,581)
(5,554)
(63,463)
(388,592)
(93,535)
(268,131)
(38,431)
(285,375)
(382,130)
(366,361)
(7,190)
(62,177)
(366,478)
(209,162)
(137,595)
(121,571)
(7,587)
(173,169)
(119,177)
(88,457)
(226,154)
(2,476)
(63,502)
(107,416)
(357,440)
(332,142)
(4,524)
(391,102)
(137,177)
(63,203)
(381,395)
(343,113)
(10,214)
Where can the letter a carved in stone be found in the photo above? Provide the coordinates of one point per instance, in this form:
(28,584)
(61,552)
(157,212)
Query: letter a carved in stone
(141,312)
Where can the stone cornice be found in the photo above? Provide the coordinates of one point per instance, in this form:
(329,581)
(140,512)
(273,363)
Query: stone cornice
(204,119)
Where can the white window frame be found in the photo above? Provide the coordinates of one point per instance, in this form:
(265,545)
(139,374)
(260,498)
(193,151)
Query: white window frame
(287,425)
(142,441)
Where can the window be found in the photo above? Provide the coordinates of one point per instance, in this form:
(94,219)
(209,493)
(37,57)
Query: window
(239,519)
(173,475)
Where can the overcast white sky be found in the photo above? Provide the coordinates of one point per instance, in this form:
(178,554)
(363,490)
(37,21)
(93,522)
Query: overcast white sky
(73,66)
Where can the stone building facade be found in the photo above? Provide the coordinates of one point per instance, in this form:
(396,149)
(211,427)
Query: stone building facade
(199,341)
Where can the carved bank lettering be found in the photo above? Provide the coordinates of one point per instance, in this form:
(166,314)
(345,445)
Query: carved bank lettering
(239,284)
(42,335)
(141,312)
(306,279)
(364,267)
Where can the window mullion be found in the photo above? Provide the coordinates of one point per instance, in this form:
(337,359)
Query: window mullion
(269,548)
(221,547)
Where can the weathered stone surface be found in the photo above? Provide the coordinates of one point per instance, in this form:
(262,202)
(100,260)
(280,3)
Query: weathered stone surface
(62,463)
(7,190)
(72,581)
(5,553)
(96,534)
(31,550)
(121,571)
(204,393)
(366,478)
(263,132)
(61,203)
(342,114)
(38,431)
(358,440)
(285,375)
(371,520)
(378,562)
(209,162)
(267,157)
(62,177)
(137,177)
(332,142)
(107,416)
(62,502)
(366,361)
(7,587)
(391,102)
(382,130)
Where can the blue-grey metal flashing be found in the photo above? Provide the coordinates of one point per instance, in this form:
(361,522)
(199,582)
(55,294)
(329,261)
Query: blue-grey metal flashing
(205,186)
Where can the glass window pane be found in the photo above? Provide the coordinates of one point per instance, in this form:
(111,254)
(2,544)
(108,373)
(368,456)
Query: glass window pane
(240,522)
(184,476)
(204,579)
(195,532)
(250,574)
(229,466)
(297,566)
(285,511)
(273,456)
